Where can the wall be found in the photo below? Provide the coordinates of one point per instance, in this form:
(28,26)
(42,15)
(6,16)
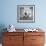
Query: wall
(9,13)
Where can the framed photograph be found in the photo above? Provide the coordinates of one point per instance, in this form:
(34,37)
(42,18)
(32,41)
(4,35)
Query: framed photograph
(26,13)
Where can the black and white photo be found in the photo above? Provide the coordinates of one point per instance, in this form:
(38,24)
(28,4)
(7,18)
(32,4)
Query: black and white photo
(26,13)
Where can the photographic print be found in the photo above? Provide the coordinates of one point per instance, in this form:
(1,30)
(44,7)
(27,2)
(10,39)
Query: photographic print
(26,13)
